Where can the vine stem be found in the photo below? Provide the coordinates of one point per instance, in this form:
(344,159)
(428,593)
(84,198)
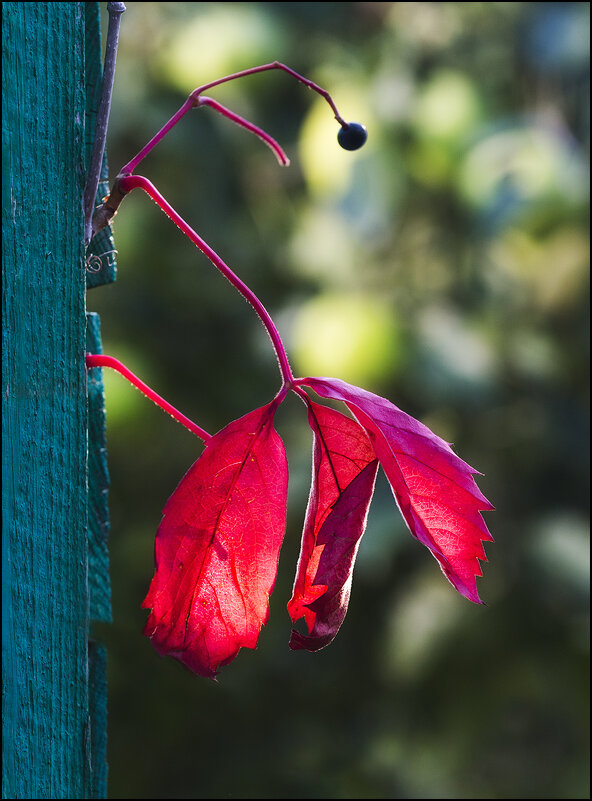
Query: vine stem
(131,165)
(190,103)
(100,360)
(127,183)
(276,65)
(195,100)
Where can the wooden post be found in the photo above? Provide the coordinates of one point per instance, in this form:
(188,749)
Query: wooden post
(53,674)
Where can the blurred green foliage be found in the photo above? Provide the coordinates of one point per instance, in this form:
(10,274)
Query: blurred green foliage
(444,266)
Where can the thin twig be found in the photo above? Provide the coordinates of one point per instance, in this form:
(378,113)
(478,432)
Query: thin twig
(90,191)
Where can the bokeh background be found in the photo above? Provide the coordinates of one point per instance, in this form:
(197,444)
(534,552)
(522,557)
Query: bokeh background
(444,266)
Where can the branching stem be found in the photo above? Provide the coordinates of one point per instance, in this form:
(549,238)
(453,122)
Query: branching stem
(195,100)
(126,181)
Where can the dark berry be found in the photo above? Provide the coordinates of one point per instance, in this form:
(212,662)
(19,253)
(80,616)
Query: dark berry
(352,137)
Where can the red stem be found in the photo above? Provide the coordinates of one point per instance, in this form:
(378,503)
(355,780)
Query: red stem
(115,364)
(269,140)
(129,182)
(194,100)
(131,165)
(275,65)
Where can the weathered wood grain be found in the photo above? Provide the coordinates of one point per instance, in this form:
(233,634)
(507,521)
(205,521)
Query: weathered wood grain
(47,732)
(98,484)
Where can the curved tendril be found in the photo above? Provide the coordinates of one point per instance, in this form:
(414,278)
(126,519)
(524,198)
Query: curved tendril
(269,140)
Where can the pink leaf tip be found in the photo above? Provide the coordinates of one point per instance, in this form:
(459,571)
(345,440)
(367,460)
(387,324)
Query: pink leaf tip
(434,489)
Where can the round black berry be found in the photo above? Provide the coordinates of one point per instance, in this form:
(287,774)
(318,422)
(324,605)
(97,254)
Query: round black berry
(352,137)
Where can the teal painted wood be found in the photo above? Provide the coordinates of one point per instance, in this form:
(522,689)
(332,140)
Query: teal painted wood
(47,726)
(98,484)
(100,269)
(97,712)
(99,585)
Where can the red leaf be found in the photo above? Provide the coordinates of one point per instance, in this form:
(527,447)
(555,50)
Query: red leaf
(433,487)
(344,471)
(217,547)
